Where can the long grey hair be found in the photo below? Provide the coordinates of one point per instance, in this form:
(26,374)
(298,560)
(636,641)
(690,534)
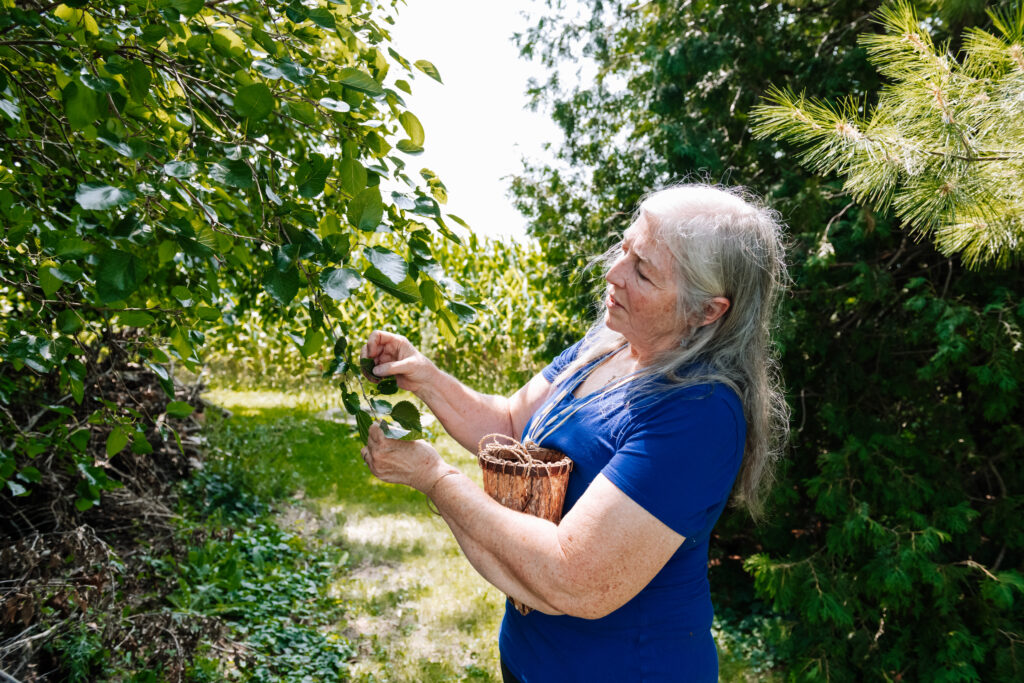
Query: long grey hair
(725,244)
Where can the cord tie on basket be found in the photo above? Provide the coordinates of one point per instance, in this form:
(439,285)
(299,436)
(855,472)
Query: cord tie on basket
(520,450)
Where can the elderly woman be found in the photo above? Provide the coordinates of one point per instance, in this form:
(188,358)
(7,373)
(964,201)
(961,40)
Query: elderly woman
(668,400)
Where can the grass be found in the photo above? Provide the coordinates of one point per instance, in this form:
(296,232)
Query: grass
(415,608)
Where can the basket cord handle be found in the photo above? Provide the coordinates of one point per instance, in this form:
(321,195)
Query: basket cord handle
(520,450)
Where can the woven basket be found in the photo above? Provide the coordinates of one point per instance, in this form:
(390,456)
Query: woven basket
(526,478)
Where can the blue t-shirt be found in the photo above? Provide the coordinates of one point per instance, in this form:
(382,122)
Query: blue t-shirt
(676,454)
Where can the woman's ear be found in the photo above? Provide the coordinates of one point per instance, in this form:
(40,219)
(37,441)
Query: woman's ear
(714,309)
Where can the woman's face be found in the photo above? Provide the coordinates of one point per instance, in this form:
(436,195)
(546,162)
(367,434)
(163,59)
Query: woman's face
(641,296)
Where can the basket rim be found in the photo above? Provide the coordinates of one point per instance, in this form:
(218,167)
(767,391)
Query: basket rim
(528,469)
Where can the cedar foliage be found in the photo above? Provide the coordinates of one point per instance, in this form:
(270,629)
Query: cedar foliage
(895,546)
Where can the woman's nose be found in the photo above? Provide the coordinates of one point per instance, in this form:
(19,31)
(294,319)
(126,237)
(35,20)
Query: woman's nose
(614,274)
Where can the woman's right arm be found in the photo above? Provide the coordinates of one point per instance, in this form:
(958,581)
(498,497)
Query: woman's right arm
(467,415)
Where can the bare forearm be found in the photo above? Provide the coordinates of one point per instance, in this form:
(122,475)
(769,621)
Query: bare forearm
(489,567)
(467,415)
(518,553)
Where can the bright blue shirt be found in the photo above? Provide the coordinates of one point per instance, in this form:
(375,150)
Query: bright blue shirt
(676,454)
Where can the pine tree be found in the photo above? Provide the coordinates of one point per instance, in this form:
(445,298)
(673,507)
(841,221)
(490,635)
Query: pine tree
(943,147)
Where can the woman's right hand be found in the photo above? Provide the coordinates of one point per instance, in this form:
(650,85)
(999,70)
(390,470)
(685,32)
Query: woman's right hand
(394,356)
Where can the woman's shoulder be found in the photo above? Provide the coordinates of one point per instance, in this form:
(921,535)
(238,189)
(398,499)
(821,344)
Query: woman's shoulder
(713,401)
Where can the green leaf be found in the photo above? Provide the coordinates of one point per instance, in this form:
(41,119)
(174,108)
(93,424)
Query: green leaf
(409,147)
(97,197)
(30,474)
(466,314)
(69,322)
(428,68)
(339,283)
(74,247)
(48,281)
(311,176)
(264,40)
(363,422)
(116,275)
(323,18)
(182,294)
(395,432)
(294,73)
(388,385)
(387,262)
(406,414)
(139,79)
(332,104)
(427,206)
(180,169)
(187,7)
(366,366)
(125,149)
(179,409)
(10,108)
(229,44)
(312,342)
(413,127)
(366,209)
(116,440)
(404,291)
(282,286)
(135,319)
(154,33)
(100,84)
(232,173)
(79,105)
(352,175)
(207,313)
(254,101)
(356,79)
(80,438)
(431,294)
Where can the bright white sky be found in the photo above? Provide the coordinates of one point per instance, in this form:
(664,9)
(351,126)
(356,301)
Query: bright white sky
(477,126)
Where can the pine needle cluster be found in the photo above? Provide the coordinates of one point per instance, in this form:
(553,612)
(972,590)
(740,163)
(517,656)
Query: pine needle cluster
(944,145)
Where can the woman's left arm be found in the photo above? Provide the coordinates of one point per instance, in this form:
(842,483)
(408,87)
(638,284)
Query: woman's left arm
(604,551)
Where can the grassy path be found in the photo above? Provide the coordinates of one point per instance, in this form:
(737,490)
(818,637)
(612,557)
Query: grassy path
(416,609)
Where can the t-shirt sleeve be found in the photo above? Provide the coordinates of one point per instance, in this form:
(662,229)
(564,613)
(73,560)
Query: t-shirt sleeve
(679,459)
(561,362)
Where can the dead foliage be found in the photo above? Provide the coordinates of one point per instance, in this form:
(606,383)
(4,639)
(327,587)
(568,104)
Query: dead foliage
(71,573)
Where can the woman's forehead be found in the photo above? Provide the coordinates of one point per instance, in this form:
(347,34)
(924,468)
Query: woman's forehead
(645,241)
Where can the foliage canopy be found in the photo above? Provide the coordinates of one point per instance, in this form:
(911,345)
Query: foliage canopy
(168,166)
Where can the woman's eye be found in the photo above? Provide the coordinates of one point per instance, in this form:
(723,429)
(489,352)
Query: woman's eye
(641,275)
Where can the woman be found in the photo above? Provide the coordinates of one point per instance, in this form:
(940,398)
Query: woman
(669,397)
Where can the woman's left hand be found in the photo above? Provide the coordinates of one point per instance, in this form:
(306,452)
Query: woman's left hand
(413,463)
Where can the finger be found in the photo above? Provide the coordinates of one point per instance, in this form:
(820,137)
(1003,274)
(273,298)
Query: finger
(398,367)
(373,344)
(375,434)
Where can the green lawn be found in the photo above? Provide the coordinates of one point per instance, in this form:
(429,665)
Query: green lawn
(416,610)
